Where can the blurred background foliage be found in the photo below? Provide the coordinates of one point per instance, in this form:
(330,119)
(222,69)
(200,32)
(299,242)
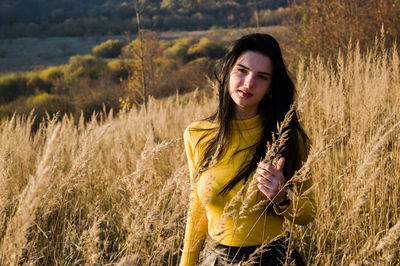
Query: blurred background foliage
(137,68)
(41,18)
(323,27)
(91,83)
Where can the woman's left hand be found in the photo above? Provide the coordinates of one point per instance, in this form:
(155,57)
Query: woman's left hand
(271,181)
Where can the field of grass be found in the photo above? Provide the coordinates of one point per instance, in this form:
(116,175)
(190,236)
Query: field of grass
(115,190)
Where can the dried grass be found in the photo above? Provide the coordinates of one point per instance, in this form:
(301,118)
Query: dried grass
(116,190)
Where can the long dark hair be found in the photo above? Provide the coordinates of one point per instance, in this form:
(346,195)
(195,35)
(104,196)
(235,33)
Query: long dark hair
(272,110)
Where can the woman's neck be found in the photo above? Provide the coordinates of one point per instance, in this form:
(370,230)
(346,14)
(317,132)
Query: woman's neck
(244,114)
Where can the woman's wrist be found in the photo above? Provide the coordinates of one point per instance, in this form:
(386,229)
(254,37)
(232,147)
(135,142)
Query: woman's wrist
(282,199)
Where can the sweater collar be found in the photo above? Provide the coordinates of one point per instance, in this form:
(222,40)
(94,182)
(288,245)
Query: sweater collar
(247,124)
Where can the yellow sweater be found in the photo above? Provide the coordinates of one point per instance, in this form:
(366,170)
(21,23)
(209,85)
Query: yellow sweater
(206,210)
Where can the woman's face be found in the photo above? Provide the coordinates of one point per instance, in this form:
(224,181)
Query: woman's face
(249,81)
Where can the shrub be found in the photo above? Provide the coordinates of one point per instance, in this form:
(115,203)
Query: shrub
(206,48)
(119,69)
(108,49)
(83,67)
(49,103)
(11,86)
(96,102)
(35,83)
(52,74)
(172,81)
(179,49)
(5,113)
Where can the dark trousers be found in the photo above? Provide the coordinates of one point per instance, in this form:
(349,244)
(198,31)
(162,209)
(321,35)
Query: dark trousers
(275,253)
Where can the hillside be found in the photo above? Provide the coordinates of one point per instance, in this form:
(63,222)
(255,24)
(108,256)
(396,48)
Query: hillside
(41,18)
(27,54)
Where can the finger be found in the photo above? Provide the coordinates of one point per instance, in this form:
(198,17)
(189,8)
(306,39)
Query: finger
(274,182)
(267,168)
(264,190)
(273,171)
(269,193)
(262,164)
(266,186)
(280,164)
(267,183)
(262,172)
(268,179)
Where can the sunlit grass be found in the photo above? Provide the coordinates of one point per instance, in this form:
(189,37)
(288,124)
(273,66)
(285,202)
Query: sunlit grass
(117,189)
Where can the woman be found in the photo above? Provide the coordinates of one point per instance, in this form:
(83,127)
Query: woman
(224,154)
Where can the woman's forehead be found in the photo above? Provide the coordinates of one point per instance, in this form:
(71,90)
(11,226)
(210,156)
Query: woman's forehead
(255,61)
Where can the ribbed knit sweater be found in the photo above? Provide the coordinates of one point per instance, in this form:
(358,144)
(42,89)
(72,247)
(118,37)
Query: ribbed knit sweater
(206,210)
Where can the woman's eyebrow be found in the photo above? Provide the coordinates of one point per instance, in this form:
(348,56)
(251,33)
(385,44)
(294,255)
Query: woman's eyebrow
(262,73)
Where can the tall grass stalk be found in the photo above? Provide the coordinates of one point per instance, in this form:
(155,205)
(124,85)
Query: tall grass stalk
(116,190)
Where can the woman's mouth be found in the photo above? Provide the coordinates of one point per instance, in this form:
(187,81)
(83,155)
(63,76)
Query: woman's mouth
(245,93)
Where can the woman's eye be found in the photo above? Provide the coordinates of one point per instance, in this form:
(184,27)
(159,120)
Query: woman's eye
(263,77)
(242,70)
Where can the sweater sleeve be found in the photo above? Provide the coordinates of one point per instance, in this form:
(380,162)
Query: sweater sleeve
(196,225)
(302,207)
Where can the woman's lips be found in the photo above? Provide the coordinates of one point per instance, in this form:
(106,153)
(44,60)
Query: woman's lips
(245,94)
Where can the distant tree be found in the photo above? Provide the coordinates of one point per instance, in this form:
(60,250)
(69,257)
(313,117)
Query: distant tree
(3,53)
(143,50)
(256,17)
(83,18)
(32,30)
(169,4)
(108,49)
(140,54)
(189,4)
(268,17)
(95,12)
(58,15)
(324,26)
(7,14)
(73,27)
(205,2)
(125,11)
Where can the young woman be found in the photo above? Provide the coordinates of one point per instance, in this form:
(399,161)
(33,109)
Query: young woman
(224,153)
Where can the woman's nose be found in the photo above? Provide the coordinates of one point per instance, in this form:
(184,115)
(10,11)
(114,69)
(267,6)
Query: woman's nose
(249,81)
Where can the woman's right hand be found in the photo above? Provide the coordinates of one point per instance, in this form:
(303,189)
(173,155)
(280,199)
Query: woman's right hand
(271,181)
